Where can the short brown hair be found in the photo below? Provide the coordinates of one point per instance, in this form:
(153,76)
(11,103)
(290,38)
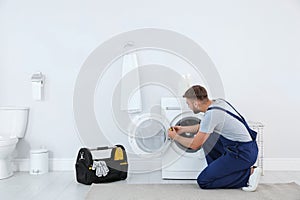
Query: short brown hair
(196,92)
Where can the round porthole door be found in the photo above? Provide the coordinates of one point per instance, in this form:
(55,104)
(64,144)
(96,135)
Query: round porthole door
(186,119)
(149,135)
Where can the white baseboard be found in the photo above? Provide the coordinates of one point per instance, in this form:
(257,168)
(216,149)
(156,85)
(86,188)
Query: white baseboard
(135,165)
(281,164)
(138,165)
(143,165)
(54,164)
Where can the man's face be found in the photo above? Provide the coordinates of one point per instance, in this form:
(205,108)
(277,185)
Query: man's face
(193,105)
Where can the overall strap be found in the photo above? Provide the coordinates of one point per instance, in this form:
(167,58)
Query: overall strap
(240,117)
(235,110)
(228,112)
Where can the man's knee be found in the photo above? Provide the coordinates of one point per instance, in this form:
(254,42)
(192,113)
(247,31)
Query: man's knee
(203,181)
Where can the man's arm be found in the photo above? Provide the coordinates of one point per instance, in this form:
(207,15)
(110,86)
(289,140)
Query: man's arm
(187,129)
(193,143)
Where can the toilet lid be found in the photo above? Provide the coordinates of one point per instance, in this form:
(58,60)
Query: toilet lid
(8,141)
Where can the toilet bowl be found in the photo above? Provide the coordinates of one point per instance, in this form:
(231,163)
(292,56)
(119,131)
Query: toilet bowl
(13,124)
(7,146)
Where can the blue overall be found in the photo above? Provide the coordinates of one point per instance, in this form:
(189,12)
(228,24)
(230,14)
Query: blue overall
(229,162)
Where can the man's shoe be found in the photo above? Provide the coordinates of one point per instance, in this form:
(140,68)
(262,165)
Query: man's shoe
(253,180)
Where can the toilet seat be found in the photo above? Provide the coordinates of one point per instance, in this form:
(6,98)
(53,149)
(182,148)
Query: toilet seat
(8,141)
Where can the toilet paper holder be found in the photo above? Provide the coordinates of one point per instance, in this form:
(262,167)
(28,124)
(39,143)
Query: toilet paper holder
(38,77)
(38,81)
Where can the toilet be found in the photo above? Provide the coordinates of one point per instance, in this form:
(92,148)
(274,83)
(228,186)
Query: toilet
(13,124)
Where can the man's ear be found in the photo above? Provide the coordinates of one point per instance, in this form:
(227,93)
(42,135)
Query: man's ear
(195,103)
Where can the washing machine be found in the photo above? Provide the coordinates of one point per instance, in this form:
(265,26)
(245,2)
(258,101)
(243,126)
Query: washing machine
(148,136)
(179,162)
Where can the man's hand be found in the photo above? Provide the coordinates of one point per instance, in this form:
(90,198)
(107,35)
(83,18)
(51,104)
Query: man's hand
(172,133)
(179,129)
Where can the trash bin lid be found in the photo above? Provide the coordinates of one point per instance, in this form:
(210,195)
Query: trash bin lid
(38,151)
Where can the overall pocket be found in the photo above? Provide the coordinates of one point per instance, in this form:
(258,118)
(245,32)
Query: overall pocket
(233,150)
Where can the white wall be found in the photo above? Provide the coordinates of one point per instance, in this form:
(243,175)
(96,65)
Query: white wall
(254,44)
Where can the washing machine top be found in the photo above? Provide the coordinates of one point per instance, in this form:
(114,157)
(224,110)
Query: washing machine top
(171,107)
(173,104)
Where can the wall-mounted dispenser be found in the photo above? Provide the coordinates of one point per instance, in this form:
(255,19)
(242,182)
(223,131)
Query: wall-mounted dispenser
(37,81)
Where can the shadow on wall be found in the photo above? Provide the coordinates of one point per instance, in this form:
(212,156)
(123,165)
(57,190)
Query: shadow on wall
(25,146)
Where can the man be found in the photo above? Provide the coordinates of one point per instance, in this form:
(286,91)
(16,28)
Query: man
(228,142)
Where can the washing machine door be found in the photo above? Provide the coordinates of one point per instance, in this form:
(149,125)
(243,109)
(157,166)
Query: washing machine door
(187,118)
(149,135)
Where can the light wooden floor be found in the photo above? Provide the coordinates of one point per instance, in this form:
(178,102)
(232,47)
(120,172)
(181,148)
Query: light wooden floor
(63,186)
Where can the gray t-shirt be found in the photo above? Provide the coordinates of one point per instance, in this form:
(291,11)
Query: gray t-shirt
(224,124)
